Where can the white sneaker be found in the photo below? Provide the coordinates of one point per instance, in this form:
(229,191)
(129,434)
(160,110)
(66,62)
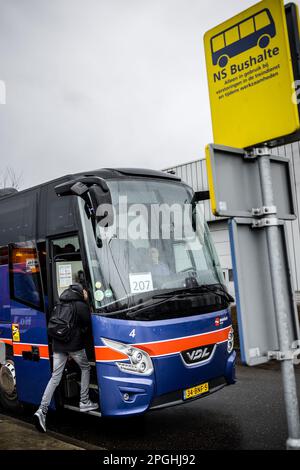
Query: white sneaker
(39,419)
(88,406)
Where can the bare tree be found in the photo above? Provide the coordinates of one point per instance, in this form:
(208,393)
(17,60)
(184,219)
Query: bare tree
(10,178)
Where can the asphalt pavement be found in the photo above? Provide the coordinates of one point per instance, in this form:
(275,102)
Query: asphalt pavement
(247,415)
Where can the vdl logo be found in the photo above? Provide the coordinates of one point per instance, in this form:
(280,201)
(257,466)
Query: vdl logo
(195,355)
(256,30)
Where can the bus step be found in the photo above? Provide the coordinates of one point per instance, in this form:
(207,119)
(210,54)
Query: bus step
(76,408)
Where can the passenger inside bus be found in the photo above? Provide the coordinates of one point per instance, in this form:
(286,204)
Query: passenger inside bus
(158,267)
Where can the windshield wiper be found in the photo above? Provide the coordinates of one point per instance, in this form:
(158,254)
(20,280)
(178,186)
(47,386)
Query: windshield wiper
(135,310)
(182,292)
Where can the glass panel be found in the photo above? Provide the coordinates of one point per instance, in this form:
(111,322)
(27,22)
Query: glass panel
(26,274)
(68,263)
(182,258)
(67,246)
(18,218)
(127,269)
(43,267)
(60,213)
(4,286)
(67,273)
(3,255)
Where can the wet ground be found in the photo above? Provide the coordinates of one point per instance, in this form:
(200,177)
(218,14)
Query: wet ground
(247,415)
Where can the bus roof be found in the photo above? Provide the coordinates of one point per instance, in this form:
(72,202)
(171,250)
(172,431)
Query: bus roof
(105,173)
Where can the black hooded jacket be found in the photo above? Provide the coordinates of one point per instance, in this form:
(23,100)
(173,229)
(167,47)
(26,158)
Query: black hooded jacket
(83,322)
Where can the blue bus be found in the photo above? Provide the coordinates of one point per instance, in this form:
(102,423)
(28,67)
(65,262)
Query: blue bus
(161,331)
(256,30)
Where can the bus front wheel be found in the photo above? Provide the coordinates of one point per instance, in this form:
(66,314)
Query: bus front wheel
(8,392)
(263,41)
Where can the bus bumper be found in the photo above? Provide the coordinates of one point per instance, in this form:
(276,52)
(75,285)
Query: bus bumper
(185,353)
(131,395)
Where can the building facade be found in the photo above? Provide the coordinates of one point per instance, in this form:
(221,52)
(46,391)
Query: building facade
(194,173)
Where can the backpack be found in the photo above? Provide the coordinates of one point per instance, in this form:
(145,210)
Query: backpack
(63,321)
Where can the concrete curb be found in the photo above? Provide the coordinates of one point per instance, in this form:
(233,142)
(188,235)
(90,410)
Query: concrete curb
(80,445)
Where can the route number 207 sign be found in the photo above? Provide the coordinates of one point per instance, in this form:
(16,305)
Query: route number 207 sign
(140,282)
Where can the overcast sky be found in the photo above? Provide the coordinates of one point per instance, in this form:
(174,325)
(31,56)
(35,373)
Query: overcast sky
(104,83)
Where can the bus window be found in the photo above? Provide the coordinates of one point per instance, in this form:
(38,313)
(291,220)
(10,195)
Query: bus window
(247,28)
(232,35)
(60,213)
(25,274)
(68,264)
(4,293)
(41,247)
(218,42)
(182,258)
(261,20)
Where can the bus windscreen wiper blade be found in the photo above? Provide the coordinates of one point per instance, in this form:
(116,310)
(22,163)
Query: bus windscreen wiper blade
(139,307)
(135,310)
(195,290)
(177,292)
(220,292)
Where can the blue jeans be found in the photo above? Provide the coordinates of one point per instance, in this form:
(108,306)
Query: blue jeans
(59,362)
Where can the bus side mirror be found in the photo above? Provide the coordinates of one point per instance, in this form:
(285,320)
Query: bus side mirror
(96,194)
(200,196)
(79,186)
(102,202)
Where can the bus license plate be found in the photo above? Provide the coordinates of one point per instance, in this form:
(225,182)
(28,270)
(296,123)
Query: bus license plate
(195,391)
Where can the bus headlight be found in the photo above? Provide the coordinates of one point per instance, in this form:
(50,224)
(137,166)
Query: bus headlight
(230,341)
(140,361)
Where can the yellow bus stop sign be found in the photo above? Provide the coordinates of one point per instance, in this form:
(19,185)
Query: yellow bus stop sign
(250,77)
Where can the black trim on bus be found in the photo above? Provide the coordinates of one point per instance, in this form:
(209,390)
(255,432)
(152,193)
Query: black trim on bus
(175,398)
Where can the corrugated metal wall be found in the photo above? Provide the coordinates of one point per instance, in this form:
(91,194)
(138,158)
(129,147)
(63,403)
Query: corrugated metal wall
(194,173)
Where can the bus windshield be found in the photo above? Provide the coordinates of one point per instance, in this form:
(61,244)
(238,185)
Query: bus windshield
(154,249)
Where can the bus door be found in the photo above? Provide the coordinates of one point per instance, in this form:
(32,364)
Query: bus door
(28,322)
(66,269)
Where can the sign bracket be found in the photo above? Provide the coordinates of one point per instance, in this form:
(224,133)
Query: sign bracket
(266,222)
(290,355)
(265,210)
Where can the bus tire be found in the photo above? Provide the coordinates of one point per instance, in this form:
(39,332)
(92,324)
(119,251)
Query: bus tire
(263,41)
(8,393)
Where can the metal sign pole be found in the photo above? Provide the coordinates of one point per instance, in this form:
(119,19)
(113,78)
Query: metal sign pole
(281,302)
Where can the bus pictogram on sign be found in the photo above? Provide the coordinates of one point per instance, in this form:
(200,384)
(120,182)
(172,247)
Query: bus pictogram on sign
(256,30)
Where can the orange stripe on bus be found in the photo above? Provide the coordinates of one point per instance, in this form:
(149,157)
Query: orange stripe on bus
(6,340)
(19,348)
(162,348)
(107,354)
